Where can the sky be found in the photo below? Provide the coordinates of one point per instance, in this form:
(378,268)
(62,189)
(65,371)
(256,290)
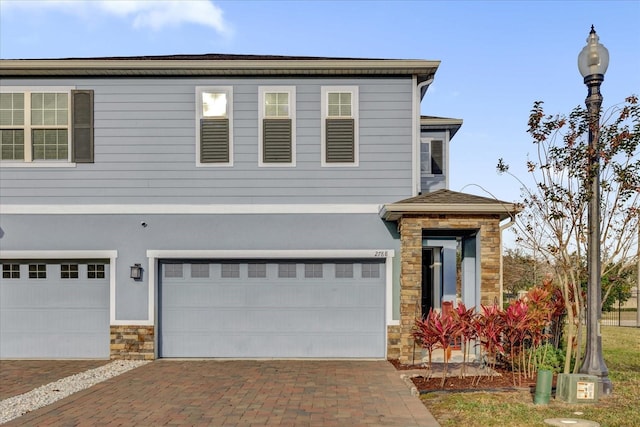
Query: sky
(498,57)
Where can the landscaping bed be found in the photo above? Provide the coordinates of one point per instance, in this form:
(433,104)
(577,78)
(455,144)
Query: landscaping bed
(501,380)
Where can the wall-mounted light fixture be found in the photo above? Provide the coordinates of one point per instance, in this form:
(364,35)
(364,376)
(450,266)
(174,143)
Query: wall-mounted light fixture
(136,272)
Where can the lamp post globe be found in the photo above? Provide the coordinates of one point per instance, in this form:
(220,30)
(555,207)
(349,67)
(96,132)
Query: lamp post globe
(593,61)
(594,57)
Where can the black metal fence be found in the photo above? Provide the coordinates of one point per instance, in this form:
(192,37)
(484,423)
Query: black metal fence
(621,317)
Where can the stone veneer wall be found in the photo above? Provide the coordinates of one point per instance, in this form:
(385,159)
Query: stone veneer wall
(132,342)
(393,342)
(411,266)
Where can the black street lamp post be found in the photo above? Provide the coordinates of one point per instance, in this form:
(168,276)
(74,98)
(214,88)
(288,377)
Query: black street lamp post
(593,61)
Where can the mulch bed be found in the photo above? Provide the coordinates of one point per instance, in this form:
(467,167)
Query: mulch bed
(455,383)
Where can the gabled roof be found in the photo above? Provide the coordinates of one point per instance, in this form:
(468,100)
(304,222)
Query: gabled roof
(218,65)
(449,202)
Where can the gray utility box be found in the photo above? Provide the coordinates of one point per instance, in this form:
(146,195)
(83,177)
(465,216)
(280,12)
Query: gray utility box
(577,388)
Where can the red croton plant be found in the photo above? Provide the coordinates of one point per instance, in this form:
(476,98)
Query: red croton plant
(511,335)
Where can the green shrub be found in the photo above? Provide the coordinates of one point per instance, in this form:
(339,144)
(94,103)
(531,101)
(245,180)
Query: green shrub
(548,357)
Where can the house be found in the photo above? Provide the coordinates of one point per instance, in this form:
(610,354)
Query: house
(230,206)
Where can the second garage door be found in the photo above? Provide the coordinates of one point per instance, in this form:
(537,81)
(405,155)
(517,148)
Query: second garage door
(272,308)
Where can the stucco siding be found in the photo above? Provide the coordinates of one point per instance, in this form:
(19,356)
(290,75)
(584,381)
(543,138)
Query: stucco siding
(293,232)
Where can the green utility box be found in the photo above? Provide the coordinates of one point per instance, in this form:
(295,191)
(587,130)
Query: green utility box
(577,388)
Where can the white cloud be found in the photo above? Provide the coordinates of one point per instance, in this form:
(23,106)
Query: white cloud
(158,14)
(153,14)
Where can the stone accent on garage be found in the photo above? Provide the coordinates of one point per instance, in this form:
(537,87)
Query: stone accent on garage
(393,342)
(132,342)
(411,227)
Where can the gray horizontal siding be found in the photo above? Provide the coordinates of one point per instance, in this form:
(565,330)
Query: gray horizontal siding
(145,151)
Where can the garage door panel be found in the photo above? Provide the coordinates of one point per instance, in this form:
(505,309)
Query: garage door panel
(53,320)
(253,345)
(201,294)
(203,319)
(270,316)
(51,316)
(43,295)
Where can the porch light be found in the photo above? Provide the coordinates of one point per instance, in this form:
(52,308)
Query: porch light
(136,272)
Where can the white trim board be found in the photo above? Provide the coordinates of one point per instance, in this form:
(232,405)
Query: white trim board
(238,209)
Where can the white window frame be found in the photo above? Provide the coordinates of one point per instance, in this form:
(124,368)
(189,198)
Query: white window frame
(355,115)
(227,90)
(262,91)
(27,127)
(427,172)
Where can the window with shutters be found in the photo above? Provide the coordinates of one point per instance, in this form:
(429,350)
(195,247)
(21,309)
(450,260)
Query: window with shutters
(277,127)
(339,126)
(431,156)
(214,133)
(46,127)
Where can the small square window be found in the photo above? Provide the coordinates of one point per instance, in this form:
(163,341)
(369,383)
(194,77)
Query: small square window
(173,270)
(257,270)
(214,104)
(69,271)
(231,270)
(344,270)
(313,270)
(287,270)
(199,270)
(339,104)
(370,270)
(95,271)
(10,271)
(37,271)
(276,104)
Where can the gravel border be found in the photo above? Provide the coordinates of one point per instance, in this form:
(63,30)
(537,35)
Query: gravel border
(47,394)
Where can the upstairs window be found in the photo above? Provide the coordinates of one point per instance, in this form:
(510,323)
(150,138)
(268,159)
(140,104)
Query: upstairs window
(214,126)
(340,126)
(277,127)
(46,126)
(431,156)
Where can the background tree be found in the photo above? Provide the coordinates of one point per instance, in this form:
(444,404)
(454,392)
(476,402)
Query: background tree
(522,271)
(619,289)
(553,224)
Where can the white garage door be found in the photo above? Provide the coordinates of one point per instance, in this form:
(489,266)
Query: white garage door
(54,310)
(255,309)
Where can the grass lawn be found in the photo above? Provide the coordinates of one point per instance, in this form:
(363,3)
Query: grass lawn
(621,350)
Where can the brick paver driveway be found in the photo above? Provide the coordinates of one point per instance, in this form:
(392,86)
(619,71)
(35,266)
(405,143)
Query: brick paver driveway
(243,393)
(21,376)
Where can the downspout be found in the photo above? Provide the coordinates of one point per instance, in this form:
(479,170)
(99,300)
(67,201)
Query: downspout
(502,228)
(415,152)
